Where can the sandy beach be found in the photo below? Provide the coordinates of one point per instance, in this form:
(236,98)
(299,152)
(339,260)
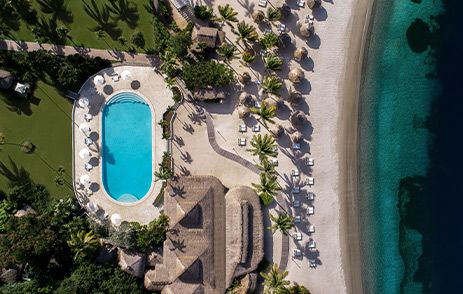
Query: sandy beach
(332,78)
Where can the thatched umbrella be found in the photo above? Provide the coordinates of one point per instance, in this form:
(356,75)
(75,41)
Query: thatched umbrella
(297,118)
(300,53)
(285,11)
(271,101)
(314,3)
(244,78)
(297,137)
(276,130)
(243,112)
(306,30)
(246,99)
(258,16)
(295,97)
(108,89)
(296,75)
(286,40)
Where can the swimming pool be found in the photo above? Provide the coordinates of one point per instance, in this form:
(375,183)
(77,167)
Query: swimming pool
(126,147)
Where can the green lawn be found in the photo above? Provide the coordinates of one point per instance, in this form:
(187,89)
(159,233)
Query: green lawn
(46,123)
(82,25)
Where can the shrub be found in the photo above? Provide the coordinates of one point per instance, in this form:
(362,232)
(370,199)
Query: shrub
(206,73)
(203,12)
(138,39)
(32,194)
(180,42)
(151,235)
(6,210)
(160,36)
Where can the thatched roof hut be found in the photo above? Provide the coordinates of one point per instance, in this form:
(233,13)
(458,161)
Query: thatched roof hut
(244,78)
(6,79)
(295,97)
(314,3)
(297,118)
(246,99)
(258,16)
(297,137)
(300,53)
(243,112)
(212,37)
(296,75)
(132,263)
(276,130)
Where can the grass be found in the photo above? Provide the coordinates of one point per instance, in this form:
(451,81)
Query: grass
(81,27)
(46,123)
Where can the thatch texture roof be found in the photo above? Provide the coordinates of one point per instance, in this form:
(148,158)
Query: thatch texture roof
(297,137)
(300,53)
(258,16)
(243,112)
(314,3)
(297,118)
(246,99)
(212,37)
(209,94)
(245,232)
(132,263)
(271,100)
(276,130)
(6,79)
(244,78)
(295,97)
(296,75)
(306,29)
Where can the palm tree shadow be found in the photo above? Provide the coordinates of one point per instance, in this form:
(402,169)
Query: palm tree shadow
(18,104)
(15,175)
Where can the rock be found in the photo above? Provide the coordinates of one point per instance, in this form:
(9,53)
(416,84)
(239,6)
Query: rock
(132,263)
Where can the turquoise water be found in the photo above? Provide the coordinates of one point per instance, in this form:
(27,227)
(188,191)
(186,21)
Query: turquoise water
(395,103)
(127,147)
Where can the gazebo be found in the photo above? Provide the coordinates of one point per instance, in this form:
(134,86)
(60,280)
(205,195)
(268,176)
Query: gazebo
(300,53)
(296,75)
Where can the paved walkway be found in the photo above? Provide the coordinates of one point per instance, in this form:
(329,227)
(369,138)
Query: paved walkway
(125,57)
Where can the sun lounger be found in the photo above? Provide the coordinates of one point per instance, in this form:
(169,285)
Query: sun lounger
(262,3)
(256,128)
(295,172)
(309,19)
(297,219)
(310,181)
(310,196)
(88,166)
(274,161)
(88,117)
(297,253)
(88,141)
(243,128)
(310,210)
(298,237)
(296,189)
(115,78)
(312,245)
(312,263)
(241,141)
(282,28)
(300,3)
(296,146)
(311,229)
(309,161)
(296,203)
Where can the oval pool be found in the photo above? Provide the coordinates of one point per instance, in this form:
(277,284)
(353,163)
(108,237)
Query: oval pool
(126,147)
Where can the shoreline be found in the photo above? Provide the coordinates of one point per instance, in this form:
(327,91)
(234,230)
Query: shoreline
(361,24)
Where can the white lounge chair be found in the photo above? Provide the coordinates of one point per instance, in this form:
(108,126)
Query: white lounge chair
(298,237)
(309,161)
(309,18)
(115,77)
(297,253)
(274,161)
(310,181)
(312,245)
(241,141)
(256,128)
(88,117)
(296,203)
(262,3)
(297,219)
(311,229)
(282,28)
(312,263)
(296,146)
(296,189)
(301,3)
(88,141)
(88,166)
(295,172)
(310,210)
(243,128)
(310,196)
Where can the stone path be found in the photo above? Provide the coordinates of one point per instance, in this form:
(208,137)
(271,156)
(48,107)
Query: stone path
(112,55)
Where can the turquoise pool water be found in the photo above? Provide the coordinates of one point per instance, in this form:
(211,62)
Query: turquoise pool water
(127,147)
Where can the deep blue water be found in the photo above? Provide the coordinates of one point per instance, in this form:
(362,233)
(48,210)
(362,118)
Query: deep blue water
(411,144)
(127,147)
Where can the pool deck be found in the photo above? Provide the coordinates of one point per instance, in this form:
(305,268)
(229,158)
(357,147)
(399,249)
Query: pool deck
(154,90)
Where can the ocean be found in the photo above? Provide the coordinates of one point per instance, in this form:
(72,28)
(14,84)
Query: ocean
(411,149)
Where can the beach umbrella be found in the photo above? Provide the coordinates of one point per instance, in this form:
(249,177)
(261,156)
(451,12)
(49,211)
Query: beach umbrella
(84,153)
(83,102)
(276,130)
(297,137)
(85,180)
(92,206)
(296,75)
(126,75)
(244,78)
(258,16)
(98,80)
(116,219)
(243,111)
(85,127)
(271,101)
(306,29)
(295,97)
(314,3)
(297,118)
(246,99)
(300,53)
(108,89)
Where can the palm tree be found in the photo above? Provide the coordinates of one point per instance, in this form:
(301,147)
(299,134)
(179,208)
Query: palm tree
(266,188)
(248,57)
(169,64)
(266,166)
(269,41)
(227,52)
(56,7)
(272,62)
(263,146)
(83,244)
(282,222)
(228,14)
(5,31)
(272,84)
(298,289)
(265,112)
(247,33)
(163,174)
(273,15)
(170,81)
(101,16)
(274,281)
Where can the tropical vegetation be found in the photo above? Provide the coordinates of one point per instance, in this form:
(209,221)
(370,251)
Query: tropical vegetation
(227,14)
(272,62)
(246,32)
(263,146)
(275,280)
(206,74)
(266,188)
(282,222)
(265,112)
(269,40)
(272,84)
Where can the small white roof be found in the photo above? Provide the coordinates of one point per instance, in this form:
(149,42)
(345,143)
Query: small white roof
(83,102)
(85,180)
(98,80)
(126,75)
(22,88)
(92,206)
(116,219)
(85,127)
(84,153)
